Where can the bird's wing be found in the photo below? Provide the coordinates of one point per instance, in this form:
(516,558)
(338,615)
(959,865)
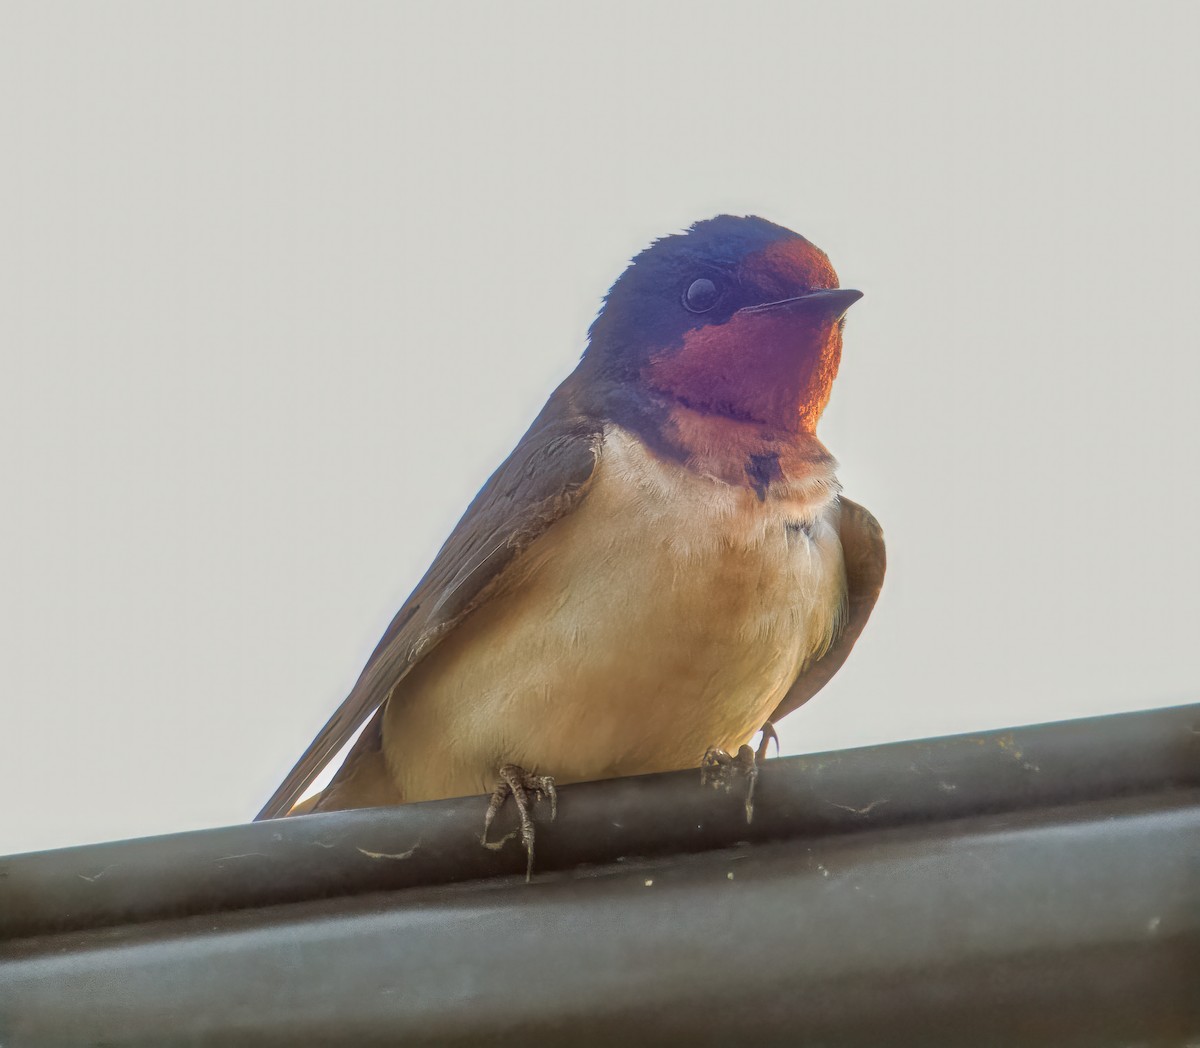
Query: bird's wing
(542,480)
(866,561)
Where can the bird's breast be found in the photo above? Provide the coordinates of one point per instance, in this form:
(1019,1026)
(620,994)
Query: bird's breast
(668,613)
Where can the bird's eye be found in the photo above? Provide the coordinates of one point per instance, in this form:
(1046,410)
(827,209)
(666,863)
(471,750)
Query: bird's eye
(701,295)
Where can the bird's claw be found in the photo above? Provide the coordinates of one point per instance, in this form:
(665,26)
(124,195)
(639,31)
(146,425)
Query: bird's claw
(519,784)
(719,769)
(769,735)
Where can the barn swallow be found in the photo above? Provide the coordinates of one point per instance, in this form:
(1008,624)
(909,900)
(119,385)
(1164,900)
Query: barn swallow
(663,566)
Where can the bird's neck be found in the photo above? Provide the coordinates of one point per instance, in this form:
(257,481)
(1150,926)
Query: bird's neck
(762,458)
(768,461)
(744,453)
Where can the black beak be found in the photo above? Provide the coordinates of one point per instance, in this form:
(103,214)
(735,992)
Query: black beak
(831,303)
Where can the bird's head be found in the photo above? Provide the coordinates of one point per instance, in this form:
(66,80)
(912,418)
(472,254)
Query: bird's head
(737,318)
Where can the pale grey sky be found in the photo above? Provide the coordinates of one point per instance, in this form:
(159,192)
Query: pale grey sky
(281,283)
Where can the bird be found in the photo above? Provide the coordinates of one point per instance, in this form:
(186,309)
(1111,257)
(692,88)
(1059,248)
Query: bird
(663,568)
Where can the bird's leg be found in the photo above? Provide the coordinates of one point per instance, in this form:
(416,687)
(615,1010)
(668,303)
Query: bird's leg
(519,784)
(720,769)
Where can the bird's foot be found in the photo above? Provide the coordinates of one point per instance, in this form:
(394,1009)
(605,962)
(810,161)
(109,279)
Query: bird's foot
(719,769)
(525,788)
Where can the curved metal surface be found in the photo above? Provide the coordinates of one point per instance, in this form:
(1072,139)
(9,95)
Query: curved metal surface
(346,853)
(1034,887)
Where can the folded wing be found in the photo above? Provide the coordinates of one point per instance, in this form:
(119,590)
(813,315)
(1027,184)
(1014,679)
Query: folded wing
(542,480)
(866,562)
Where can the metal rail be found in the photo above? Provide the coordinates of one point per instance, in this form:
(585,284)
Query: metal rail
(1033,886)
